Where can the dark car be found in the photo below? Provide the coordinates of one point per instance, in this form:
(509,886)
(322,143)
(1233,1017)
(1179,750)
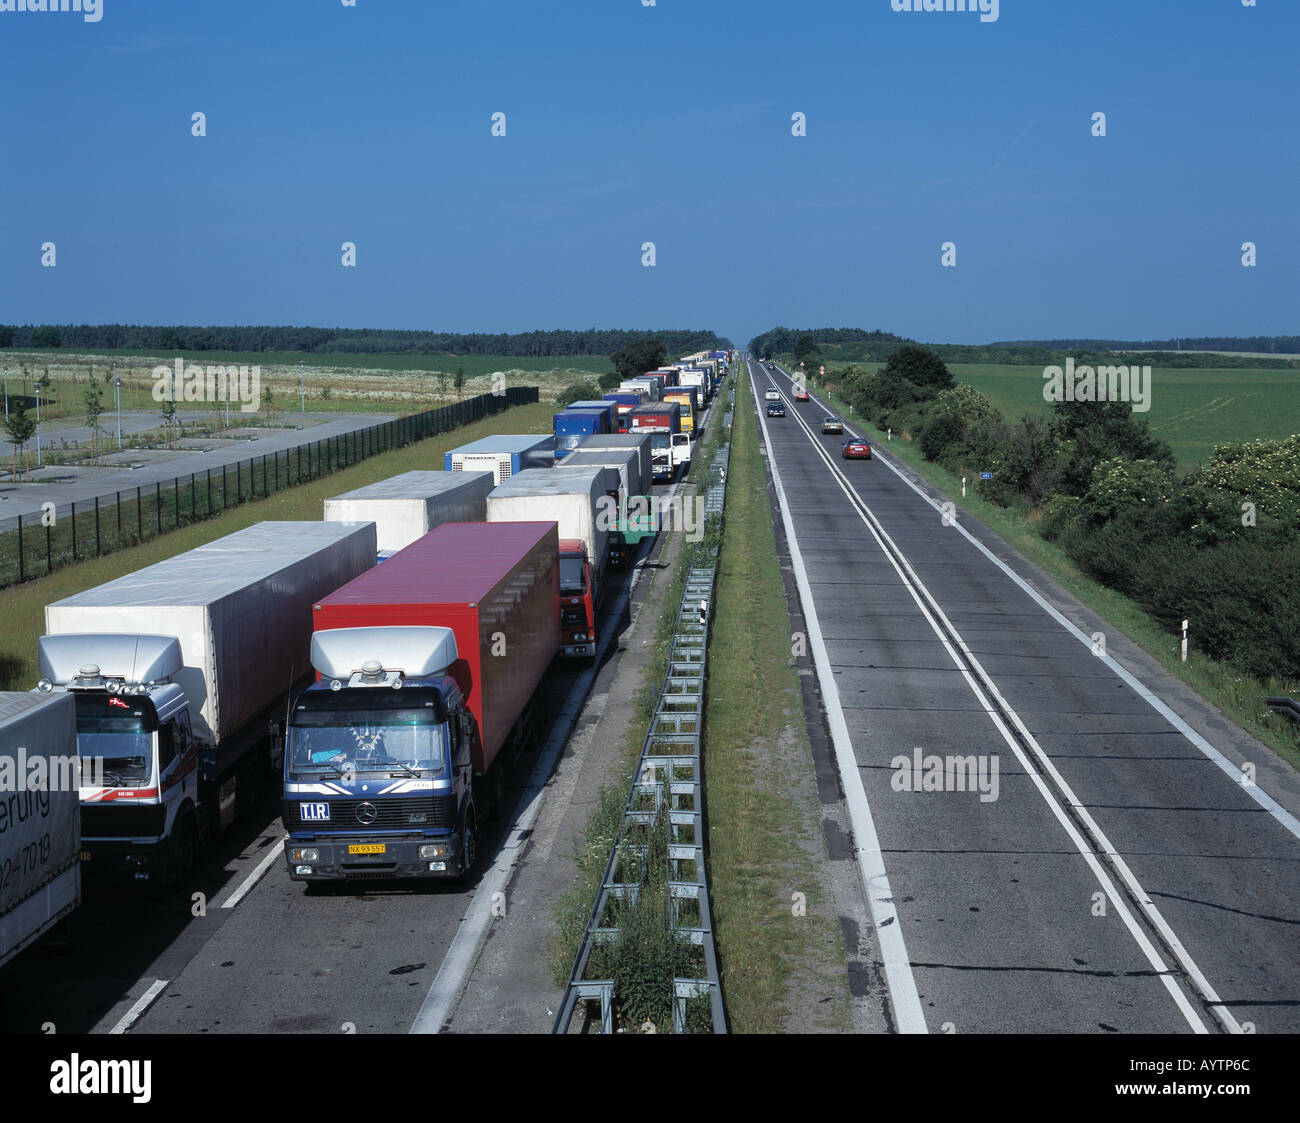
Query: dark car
(832,425)
(775,409)
(855,448)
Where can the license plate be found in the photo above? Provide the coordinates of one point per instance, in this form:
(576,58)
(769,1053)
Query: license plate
(366,848)
(84,855)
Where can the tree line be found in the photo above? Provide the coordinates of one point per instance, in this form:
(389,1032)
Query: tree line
(138,337)
(851,345)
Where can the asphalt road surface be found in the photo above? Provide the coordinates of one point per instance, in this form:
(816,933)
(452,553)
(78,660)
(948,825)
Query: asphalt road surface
(1116,877)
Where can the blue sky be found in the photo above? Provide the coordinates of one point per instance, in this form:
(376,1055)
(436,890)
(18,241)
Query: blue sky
(669,124)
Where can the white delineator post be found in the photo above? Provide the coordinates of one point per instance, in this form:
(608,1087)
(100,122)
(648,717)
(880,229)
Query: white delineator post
(1183,645)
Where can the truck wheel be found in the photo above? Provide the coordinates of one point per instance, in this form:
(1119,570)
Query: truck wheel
(184,845)
(468,846)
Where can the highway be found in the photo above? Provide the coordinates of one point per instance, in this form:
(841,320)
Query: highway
(243,949)
(1115,872)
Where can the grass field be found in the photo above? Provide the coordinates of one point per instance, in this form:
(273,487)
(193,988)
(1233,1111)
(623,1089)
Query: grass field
(383,383)
(22,607)
(1192,409)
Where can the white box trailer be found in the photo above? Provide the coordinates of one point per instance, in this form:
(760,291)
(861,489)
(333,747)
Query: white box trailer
(406,507)
(40,838)
(241,607)
(572,499)
(617,442)
(625,461)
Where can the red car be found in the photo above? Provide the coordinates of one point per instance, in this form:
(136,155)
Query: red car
(801,395)
(856,449)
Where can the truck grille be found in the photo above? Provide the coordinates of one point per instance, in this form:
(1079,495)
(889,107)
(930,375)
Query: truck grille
(390,813)
(123,820)
(572,617)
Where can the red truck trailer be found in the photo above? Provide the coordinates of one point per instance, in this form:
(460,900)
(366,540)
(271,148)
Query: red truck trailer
(431,676)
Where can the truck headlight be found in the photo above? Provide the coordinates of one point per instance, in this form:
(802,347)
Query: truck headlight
(433,850)
(306,854)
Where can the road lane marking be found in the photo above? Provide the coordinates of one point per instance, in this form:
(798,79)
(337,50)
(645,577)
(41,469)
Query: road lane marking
(141,1005)
(252,879)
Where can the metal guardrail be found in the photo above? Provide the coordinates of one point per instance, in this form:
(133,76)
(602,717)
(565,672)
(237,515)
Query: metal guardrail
(668,790)
(1287,707)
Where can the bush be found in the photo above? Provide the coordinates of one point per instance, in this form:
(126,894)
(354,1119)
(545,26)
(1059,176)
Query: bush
(580,391)
(608,381)
(944,428)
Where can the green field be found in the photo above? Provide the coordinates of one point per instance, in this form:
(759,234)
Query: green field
(349,383)
(1192,409)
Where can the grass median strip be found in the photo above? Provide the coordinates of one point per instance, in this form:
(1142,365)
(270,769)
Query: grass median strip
(781,956)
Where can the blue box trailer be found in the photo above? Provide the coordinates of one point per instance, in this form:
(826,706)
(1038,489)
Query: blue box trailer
(608,406)
(572,425)
(503,455)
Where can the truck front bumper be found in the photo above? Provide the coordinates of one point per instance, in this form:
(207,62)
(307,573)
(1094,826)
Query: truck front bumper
(124,859)
(356,858)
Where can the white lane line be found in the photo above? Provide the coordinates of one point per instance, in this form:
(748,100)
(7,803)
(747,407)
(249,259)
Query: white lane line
(142,1003)
(903,996)
(915,586)
(252,879)
(1234,772)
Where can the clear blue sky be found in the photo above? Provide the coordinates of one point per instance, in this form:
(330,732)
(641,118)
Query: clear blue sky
(669,124)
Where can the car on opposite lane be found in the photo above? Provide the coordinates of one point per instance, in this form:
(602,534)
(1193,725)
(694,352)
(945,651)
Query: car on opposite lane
(832,425)
(855,448)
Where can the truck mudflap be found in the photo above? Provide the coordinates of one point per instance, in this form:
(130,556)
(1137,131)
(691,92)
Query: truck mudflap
(369,858)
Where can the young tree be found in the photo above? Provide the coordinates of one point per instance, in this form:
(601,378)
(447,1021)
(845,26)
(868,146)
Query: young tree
(20,428)
(459,382)
(268,400)
(168,412)
(93,401)
(442,377)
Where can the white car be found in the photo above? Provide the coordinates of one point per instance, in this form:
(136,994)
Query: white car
(772,395)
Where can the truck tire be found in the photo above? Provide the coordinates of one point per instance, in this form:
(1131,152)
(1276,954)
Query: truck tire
(184,847)
(469,846)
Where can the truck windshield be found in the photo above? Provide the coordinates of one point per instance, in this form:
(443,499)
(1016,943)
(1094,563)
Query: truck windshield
(123,743)
(568,440)
(658,440)
(356,740)
(571,577)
